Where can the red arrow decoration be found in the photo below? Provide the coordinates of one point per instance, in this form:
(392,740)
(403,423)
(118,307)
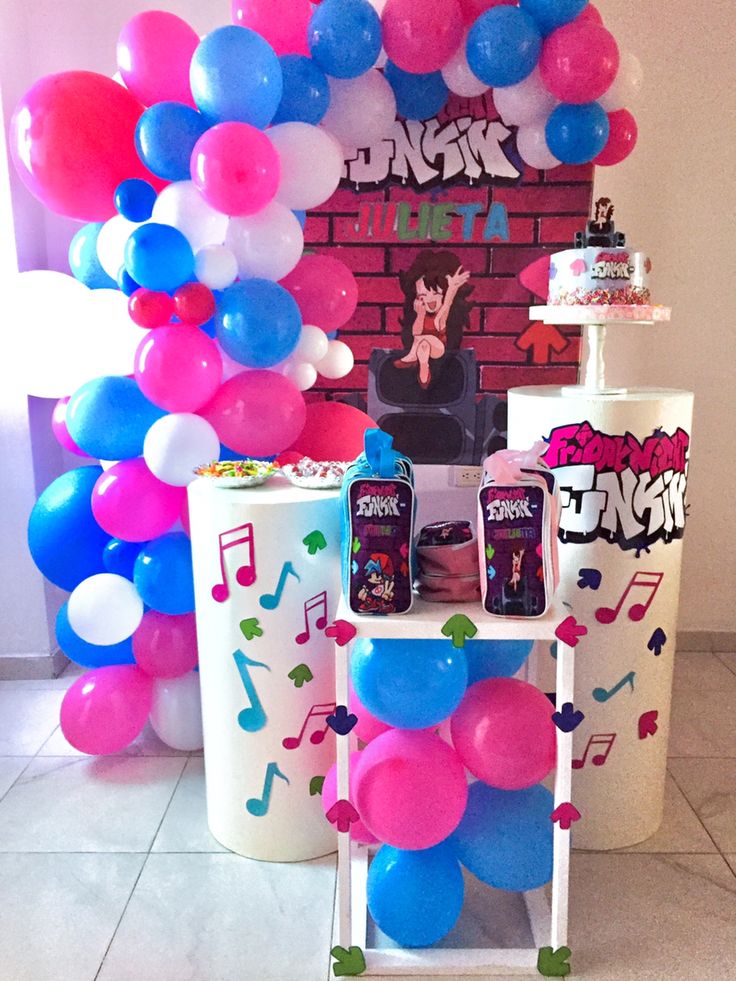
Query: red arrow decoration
(570,631)
(341,632)
(542,339)
(342,814)
(565,814)
(535,277)
(648,724)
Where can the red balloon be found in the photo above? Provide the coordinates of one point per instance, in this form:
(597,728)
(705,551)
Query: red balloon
(621,139)
(325,290)
(472,9)
(579,62)
(72,143)
(333,431)
(283,23)
(422,35)
(148,308)
(194,303)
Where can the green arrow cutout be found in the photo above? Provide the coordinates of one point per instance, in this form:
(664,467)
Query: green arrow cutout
(459,627)
(315,542)
(554,963)
(251,628)
(490,552)
(300,675)
(348,963)
(315,786)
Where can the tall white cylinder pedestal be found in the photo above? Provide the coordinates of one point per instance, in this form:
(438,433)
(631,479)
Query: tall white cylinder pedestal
(267,584)
(621,462)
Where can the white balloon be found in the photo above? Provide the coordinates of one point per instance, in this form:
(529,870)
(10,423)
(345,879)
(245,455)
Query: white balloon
(181,205)
(303,374)
(268,244)
(362,110)
(106,464)
(311,164)
(105,609)
(230,367)
(176,444)
(313,345)
(626,85)
(531,143)
(526,102)
(338,361)
(458,76)
(111,243)
(176,712)
(216,267)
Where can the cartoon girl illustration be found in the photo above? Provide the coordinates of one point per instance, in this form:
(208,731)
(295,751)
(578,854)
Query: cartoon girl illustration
(377,595)
(436,311)
(516,558)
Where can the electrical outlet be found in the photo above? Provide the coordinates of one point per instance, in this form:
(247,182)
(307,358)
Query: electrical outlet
(467,476)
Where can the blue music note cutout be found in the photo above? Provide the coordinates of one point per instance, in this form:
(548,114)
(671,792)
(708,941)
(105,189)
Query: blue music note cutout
(270,601)
(601,695)
(258,806)
(252,718)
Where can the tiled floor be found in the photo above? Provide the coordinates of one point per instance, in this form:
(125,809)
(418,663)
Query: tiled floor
(108,871)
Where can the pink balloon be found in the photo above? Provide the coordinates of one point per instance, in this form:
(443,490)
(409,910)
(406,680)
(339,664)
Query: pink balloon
(358,831)
(58,425)
(367,726)
(257,413)
(236,168)
(178,368)
(472,9)
(504,734)
(410,789)
(325,289)
(422,35)
(579,61)
(106,709)
(621,139)
(154,51)
(128,502)
(165,646)
(589,14)
(283,23)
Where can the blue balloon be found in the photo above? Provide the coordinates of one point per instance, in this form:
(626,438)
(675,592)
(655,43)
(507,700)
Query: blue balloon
(90,655)
(258,323)
(577,133)
(159,257)
(126,283)
(306,96)
(415,897)
(165,137)
(163,574)
(495,658)
(64,539)
(134,199)
(236,76)
(409,684)
(551,14)
(302,218)
(417,96)
(83,261)
(504,45)
(110,417)
(505,836)
(345,37)
(119,557)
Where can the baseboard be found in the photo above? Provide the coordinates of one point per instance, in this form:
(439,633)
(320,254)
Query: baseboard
(711,641)
(32,667)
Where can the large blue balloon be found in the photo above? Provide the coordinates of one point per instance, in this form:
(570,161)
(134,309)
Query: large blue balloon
(504,45)
(409,684)
(236,76)
(163,574)
(165,137)
(577,133)
(306,96)
(415,898)
(345,37)
(551,14)
(119,557)
(109,417)
(159,257)
(258,323)
(83,261)
(495,658)
(65,541)
(90,655)
(505,836)
(417,96)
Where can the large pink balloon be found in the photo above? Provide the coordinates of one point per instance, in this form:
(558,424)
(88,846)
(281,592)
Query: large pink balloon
(60,430)
(236,168)
(72,142)
(333,431)
(165,646)
(503,732)
(579,61)
(283,23)
(178,368)
(257,413)
(154,52)
(128,502)
(622,138)
(106,709)
(358,831)
(422,35)
(325,289)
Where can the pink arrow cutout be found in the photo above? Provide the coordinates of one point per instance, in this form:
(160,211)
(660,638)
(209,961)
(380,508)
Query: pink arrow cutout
(566,814)
(578,267)
(570,631)
(341,632)
(343,814)
(648,724)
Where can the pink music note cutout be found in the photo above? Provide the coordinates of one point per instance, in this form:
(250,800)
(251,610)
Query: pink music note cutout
(315,712)
(246,572)
(316,602)
(637,611)
(597,739)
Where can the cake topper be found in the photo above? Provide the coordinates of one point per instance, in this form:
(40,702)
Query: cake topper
(601,231)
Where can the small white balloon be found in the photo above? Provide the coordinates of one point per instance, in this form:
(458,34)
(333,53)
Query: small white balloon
(106,464)
(526,102)
(458,76)
(111,242)
(531,143)
(311,164)
(302,373)
(313,345)
(338,361)
(176,712)
(362,110)
(181,205)
(626,86)
(268,244)
(105,609)
(216,267)
(176,444)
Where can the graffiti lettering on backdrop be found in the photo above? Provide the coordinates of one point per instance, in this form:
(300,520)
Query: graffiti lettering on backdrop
(618,488)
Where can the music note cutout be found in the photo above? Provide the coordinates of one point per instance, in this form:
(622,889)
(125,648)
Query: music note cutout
(253,718)
(601,695)
(637,611)
(258,806)
(270,601)
(246,572)
(316,602)
(315,712)
(597,739)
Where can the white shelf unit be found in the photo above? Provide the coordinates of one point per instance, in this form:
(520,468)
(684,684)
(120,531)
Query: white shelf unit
(548,923)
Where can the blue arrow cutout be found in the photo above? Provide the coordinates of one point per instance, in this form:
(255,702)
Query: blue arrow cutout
(657,641)
(568,719)
(589,578)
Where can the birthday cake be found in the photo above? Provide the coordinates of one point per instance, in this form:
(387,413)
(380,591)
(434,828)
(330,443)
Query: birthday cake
(601,270)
